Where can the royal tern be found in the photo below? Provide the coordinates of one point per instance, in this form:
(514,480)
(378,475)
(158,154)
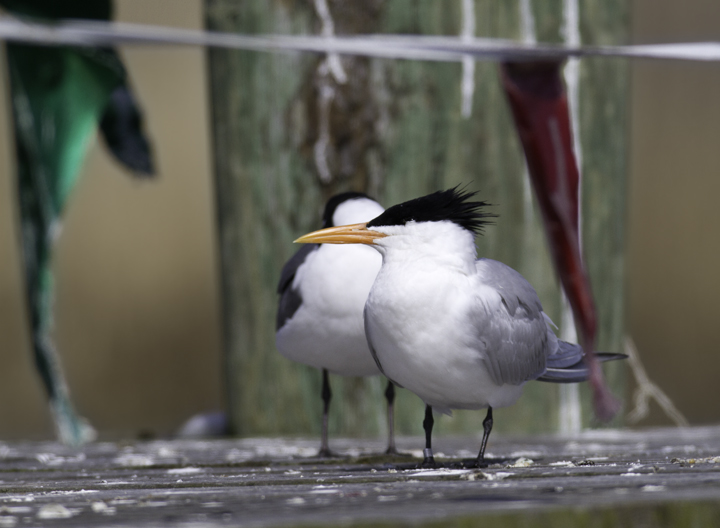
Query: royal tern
(323,289)
(460,332)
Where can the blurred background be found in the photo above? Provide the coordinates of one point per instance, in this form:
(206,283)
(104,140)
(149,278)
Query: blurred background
(137,311)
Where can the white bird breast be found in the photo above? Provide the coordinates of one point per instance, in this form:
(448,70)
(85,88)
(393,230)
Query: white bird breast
(327,330)
(419,322)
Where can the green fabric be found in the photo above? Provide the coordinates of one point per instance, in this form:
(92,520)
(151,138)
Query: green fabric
(58,97)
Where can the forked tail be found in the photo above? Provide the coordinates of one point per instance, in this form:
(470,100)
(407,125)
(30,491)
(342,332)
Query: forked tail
(568,364)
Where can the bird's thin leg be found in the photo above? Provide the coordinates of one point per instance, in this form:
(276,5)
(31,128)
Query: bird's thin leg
(326,395)
(487,427)
(390,397)
(428,422)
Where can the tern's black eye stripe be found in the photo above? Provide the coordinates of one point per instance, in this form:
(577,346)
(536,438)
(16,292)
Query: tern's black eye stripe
(453,205)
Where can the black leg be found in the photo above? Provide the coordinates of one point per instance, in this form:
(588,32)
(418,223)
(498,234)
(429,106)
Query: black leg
(390,397)
(487,427)
(326,395)
(428,422)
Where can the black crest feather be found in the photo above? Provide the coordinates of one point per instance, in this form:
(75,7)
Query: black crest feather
(453,205)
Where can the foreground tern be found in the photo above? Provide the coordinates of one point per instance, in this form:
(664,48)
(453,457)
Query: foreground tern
(460,332)
(323,289)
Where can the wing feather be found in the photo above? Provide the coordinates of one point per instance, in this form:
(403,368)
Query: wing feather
(290,298)
(514,337)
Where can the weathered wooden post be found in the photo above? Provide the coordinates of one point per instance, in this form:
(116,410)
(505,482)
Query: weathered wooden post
(290,130)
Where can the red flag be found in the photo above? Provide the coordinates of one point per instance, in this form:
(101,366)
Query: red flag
(540,109)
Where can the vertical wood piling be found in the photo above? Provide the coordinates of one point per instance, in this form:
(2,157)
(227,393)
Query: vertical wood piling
(394,129)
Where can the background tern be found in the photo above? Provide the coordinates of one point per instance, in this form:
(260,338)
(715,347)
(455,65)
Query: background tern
(323,289)
(460,332)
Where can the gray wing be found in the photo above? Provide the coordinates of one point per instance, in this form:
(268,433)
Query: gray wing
(514,336)
(290,299)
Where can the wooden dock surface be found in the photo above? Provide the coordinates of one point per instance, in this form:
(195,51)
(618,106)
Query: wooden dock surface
(658,477)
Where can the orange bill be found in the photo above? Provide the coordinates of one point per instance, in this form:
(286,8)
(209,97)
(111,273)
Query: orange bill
(348,234)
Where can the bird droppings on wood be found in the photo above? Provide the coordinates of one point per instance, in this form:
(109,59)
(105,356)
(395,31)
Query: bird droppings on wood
(277,483)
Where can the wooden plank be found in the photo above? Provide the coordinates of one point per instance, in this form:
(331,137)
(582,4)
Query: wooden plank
(657,478)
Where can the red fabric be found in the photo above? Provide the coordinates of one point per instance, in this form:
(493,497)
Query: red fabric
(539,106)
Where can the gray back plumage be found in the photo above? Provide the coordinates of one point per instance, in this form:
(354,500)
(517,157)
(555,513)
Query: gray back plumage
(512,287)
(515,341)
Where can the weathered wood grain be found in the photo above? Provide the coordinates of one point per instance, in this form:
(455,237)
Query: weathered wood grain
(656,478)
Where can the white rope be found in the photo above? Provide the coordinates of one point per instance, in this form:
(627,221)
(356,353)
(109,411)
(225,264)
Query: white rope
(570,409)
(415,47)
(467,88)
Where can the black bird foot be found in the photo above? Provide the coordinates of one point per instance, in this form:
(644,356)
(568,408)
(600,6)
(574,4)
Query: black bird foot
(428,463)
(473,463)
(429,460)
(325,452)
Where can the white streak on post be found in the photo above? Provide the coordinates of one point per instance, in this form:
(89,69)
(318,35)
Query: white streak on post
(326,92)
(467,88)
(328,31)
(571,34)
(570,411)
(527,22)
(529,37)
